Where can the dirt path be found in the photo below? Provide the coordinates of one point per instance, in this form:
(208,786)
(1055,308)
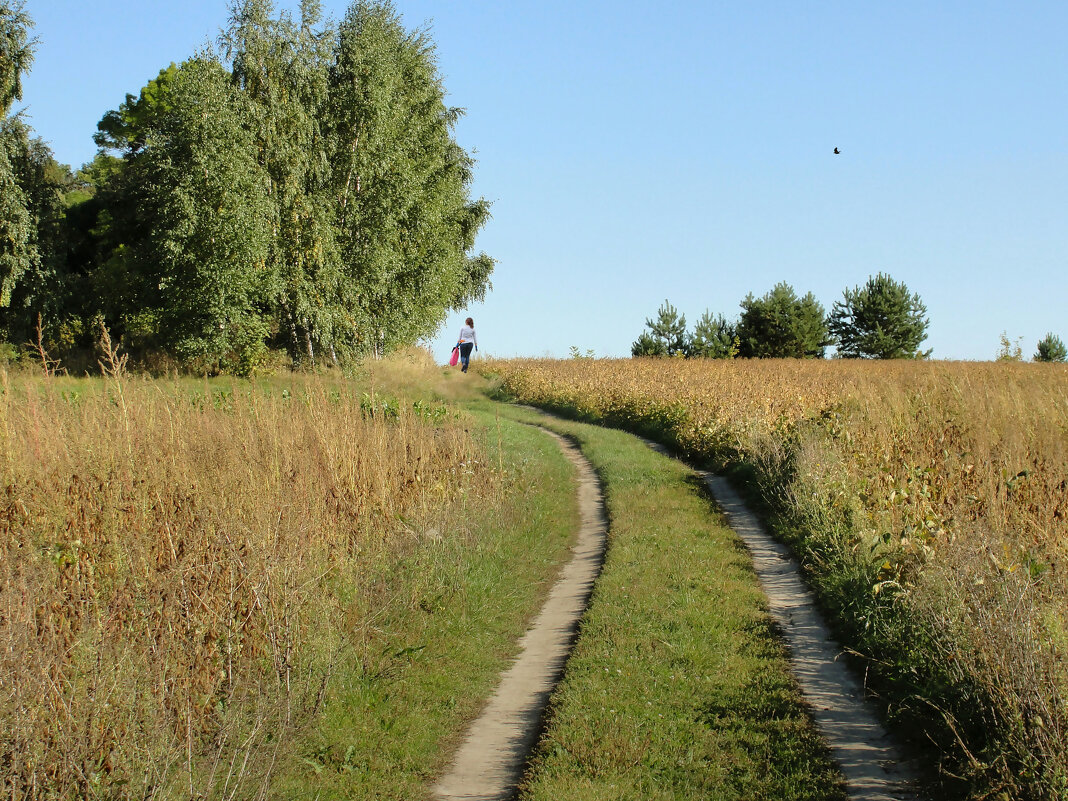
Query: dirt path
(872,766)
(490,761)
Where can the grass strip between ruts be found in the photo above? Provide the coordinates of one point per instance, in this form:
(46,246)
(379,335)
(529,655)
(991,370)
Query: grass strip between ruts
(678,686)
(451,616)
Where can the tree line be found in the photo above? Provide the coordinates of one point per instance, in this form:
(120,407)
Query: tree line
(880,320)
(297,188)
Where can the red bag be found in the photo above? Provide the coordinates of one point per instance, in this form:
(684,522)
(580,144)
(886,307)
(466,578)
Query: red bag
(455,356)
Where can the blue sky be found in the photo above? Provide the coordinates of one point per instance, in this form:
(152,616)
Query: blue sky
(635,154)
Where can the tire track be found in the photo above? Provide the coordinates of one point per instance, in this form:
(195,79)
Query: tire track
(871,764)
(873,768)
(490,762)
(491,759)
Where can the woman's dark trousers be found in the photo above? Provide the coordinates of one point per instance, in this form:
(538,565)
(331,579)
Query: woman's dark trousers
(465,355)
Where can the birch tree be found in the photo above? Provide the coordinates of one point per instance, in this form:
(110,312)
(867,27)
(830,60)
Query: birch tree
(31,209)
(36,285)
(405,222)
(302,189)
(280,65)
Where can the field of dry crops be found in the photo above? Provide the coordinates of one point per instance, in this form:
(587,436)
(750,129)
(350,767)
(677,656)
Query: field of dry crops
(171,555)
(929,503)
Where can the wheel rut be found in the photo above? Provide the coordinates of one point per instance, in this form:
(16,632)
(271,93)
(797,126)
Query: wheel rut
(873,767)
(490,761)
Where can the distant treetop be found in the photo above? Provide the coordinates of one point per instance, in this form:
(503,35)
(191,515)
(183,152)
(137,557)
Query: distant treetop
(880,320)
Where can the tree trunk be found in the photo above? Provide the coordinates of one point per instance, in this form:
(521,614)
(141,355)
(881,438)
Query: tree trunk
(293,335)
(348,183)
(308,343)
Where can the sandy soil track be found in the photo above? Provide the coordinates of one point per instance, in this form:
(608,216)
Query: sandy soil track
(873,768)
(490,761)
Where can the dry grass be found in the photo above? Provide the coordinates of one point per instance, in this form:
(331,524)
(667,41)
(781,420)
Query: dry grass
(930,502)
(938,448)
(169,558)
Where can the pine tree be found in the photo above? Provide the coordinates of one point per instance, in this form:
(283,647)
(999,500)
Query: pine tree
(669,329)
(1051,349)
(713,338)
(647,345)
(781,325)
(880,320)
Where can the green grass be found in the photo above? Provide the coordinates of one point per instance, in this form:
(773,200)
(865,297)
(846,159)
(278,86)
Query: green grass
(445,621)
(678,687)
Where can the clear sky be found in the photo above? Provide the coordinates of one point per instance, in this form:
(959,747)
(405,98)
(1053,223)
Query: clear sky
(636,153)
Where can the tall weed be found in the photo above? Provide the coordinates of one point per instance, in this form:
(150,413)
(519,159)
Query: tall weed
(180,565)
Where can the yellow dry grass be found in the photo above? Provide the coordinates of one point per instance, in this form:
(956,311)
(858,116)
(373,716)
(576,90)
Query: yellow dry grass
(929,501)
(170,554)
(937,447)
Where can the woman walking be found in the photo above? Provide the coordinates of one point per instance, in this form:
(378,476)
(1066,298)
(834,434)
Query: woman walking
(467,341)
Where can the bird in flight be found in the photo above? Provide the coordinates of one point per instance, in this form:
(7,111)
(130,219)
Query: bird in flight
(837,152)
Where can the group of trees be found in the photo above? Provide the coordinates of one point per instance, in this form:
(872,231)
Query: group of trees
(880,320)
(1050,349)
(299,188)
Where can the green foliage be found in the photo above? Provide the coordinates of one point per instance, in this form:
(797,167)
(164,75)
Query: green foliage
(16,231)
(713,338)
(85,232)
(1009,351)
(31,240)
(666,335)
(781,325)
(309,195)
(647,345)
(114,232)
(17,252)
(1051,349)
(125,129)
(280,66)
(16,50)
(206,222)
(399,183)
(880,320)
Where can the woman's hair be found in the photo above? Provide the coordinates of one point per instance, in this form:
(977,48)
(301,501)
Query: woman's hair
(470,322)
